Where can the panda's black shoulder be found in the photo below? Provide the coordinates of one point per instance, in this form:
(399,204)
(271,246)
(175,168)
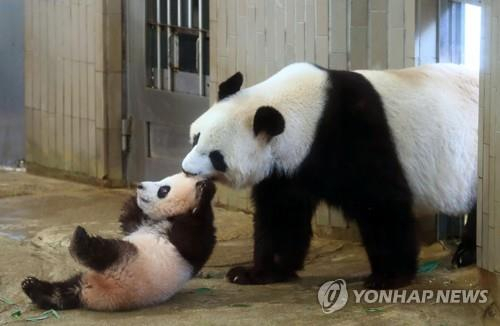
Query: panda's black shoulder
(353,140)
(350,91)
(351,101)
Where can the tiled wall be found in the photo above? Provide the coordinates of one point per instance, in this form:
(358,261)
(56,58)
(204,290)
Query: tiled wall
(73,86)
(488,232)
(258,37)
(382,34)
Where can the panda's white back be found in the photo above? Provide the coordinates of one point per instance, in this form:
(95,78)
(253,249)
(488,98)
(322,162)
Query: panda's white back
(433,115)
(432,112)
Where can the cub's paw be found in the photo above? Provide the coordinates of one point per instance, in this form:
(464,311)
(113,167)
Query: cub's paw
(248,275)
(40,292)
(206,190)
(34,287)
(378,282)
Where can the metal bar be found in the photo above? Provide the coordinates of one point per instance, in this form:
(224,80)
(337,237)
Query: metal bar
(159,74)
(169,47)
(176,48)
(190,13)
(179,13)
(183,29)
(348,36)
(418,23)
(201,81)
(439,32)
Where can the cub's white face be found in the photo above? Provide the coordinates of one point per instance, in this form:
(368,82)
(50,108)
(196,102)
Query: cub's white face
(171,196)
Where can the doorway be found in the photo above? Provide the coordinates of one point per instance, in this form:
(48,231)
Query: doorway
(167,86)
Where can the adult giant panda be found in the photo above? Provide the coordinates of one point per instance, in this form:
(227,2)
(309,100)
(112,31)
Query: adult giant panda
(383,146)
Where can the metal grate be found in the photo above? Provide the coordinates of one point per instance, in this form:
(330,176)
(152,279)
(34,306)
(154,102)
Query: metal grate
(177,45)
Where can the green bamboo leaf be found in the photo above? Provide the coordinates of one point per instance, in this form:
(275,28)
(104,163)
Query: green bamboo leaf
(16,314)
(55,314)
(202,290)
(6,301)
(379,309)
(44,315)
(37,318)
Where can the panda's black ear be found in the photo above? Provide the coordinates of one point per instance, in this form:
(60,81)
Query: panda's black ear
(230,86)
(268,120)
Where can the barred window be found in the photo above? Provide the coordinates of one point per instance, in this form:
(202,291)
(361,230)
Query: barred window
(177,45)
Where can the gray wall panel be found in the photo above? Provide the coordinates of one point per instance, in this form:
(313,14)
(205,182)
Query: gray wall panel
(12,82)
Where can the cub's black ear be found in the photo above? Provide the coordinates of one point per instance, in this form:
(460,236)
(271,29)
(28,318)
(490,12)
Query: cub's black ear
(268,120)
(230,86)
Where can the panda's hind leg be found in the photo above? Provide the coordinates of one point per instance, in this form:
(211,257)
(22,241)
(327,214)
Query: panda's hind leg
(99,253)
(389,236)
(466,251)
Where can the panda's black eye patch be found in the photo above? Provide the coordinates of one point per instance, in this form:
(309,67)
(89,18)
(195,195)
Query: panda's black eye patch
(195,139)
(218,161)
(163,191)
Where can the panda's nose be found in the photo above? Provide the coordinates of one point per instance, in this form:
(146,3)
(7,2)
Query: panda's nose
(140,186)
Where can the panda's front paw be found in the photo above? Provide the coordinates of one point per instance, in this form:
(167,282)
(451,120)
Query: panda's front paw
(240,275)
(206,190)
(249,275)
(379,282)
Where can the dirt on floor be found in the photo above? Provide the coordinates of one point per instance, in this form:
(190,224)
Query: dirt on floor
(38,216)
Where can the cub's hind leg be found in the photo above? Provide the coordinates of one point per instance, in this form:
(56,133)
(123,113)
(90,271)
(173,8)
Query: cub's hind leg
(56,295)
(99,253)
(94,252)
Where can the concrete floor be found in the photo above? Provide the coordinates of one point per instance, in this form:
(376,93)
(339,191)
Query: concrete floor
(38,215)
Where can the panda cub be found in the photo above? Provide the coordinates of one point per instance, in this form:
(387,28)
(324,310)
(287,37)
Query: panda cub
(169,236)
